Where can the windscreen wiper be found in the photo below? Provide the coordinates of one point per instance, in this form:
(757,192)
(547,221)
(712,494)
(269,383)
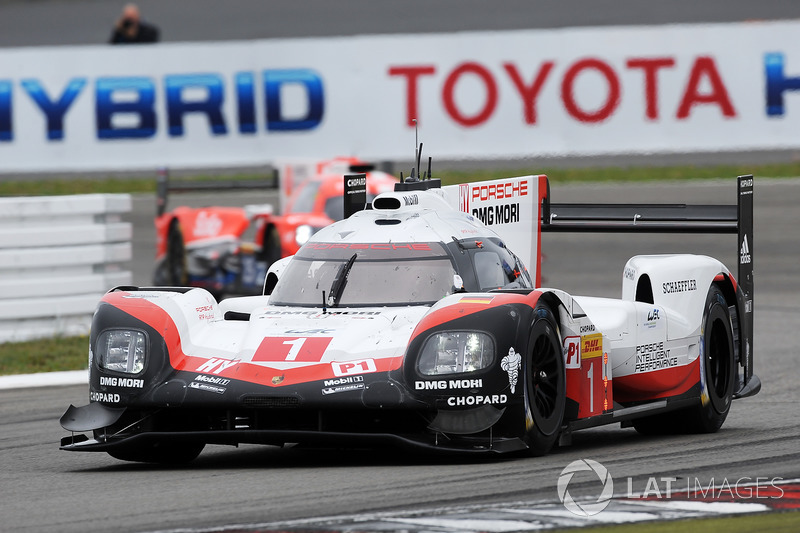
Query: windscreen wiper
(337,287)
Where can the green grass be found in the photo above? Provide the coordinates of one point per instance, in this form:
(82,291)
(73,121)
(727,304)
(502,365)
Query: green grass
(59,186)
(46,355)
(779,522)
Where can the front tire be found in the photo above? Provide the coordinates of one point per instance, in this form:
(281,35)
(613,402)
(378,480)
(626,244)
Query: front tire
(545,383)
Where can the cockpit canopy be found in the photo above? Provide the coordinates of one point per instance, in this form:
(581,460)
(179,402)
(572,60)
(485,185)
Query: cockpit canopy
(395,274)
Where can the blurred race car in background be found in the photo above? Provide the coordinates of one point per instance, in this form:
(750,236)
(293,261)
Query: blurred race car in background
(227,250)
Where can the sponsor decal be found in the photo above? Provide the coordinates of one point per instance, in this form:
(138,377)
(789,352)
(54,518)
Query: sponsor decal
(103,397)
(572,352)
(343,384)
(207,224)
(511,364)
(591,346)
(744,253)
(444,384)
(408,246)
(410,199)
(498,214)
(348,368)
(309,331)
(500,191)
(463,197)
(343,388)
(205,312)
(653,356)
(489,399)
(355,182)
(630,273)
(131,383)
(215,366)
(317,314)
(207,387)
(343,380)
(653,318)
(213,380)
(587,329)
(685,285)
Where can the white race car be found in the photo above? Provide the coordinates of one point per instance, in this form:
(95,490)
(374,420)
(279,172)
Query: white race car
(412,323)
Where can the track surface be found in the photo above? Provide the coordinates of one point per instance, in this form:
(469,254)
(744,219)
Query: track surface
(45,489)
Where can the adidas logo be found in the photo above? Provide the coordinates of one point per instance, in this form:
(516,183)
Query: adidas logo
(744,252)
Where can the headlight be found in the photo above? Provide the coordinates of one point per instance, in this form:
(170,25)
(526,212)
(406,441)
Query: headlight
(302,234)
(122,350)
(454,352)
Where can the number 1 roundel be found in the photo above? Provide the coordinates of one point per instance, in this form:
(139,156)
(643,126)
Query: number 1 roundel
(301,349)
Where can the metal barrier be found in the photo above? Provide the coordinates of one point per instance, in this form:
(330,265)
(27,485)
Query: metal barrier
(58,256)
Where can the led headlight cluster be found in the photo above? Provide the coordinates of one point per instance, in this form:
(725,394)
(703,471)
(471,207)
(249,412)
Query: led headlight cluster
(122,350)
(455,352)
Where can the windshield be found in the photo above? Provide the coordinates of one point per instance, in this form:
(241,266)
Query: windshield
(381,274)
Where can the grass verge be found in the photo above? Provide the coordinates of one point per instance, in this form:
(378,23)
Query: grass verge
(59,186)
(45,355)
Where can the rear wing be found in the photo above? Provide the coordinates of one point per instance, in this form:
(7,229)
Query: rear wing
(674,218)
(165,186)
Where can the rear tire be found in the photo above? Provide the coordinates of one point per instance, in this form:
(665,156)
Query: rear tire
(717,367)
(176,256)
(545,383)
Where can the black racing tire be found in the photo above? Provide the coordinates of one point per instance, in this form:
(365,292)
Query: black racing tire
(166,453)
(177,275)
(545,383)
(718,368)
(271,248)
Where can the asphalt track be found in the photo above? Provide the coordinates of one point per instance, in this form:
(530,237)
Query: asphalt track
(45,489)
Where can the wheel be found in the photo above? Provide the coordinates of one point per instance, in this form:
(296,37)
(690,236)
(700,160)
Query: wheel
(545,383)
(160,452)
(176,256)
(717,367)
(271,249)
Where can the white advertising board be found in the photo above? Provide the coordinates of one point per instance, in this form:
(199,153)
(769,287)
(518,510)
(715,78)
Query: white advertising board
(474,95)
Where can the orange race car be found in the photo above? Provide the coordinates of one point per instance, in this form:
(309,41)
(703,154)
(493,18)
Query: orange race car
(227,250)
